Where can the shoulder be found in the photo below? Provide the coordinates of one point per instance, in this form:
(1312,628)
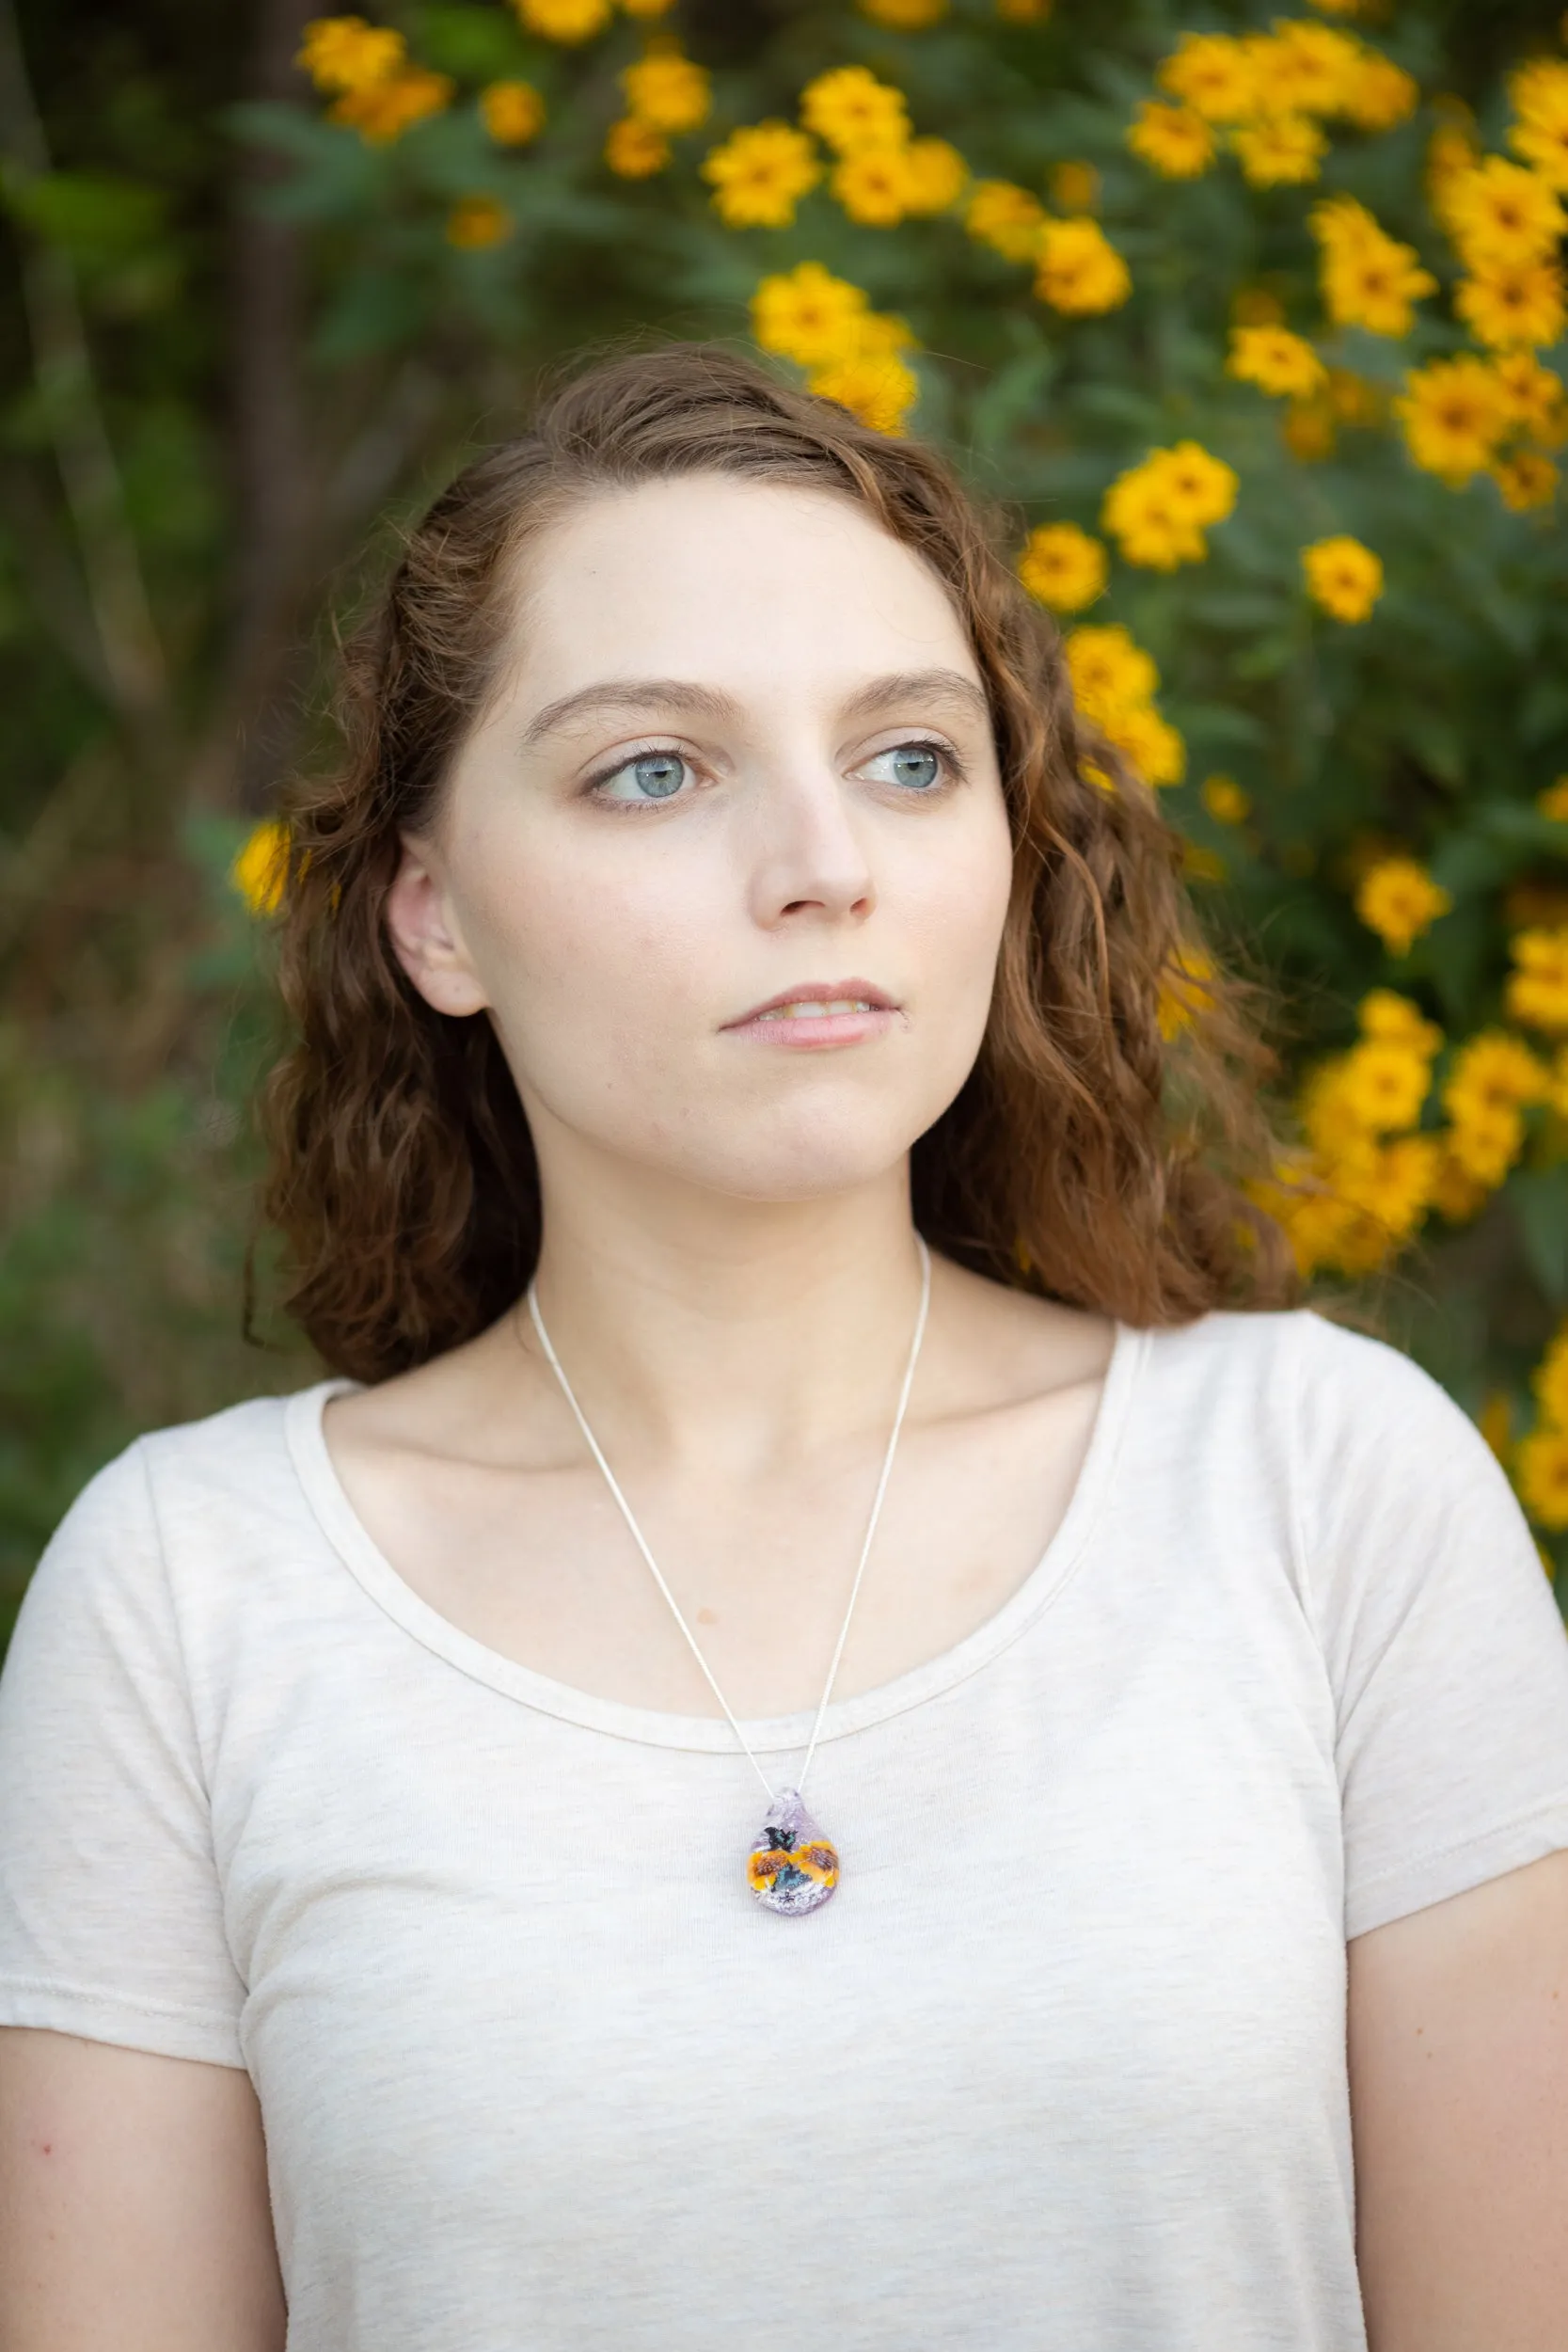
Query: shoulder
(221,1476)
(1297,1364)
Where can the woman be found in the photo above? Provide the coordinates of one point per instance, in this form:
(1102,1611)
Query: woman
(808,1741)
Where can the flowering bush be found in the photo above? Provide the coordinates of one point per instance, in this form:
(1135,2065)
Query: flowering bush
(1259,325)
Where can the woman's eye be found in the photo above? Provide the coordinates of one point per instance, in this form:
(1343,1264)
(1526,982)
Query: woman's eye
(651,776)
(914,767)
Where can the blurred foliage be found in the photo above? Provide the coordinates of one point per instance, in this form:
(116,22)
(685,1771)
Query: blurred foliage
(1058,239)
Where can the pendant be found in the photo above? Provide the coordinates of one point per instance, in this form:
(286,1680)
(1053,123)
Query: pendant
(793,1867)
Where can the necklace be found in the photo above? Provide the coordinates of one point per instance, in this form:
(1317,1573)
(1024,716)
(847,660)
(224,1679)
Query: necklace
(792,1868)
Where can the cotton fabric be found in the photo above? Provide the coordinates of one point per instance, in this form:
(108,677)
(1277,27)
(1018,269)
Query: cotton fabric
(1062,2064)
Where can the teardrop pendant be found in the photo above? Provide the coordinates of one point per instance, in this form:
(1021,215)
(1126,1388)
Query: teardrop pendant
(793,1867)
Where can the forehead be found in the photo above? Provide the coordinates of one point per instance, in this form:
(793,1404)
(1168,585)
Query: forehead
(741,580)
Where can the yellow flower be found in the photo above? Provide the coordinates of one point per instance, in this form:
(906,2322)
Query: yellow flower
(1454,412)
(1275,361)
(1173,140)
(1279,149)
(1368,278)
(1451,155)
(1384,1081)
(1399,900)
(1526,481)
(1203,486)
(851,110)
(873,185)
(807,315)
(1551,1378)
(1533,396)
(1074,187)
(260,868)
(1113,684)
(1080,272)
(760,174)
(904,16)
(1513,304)
(1493,1069)
(381,112)
(1553,801)
(564,20)
(936,176)
(1385,1014)
(1108,669)
(1539,90)
(1305,68)
(1158,511)
(512,112)
(1005,217)
(1541,1471)
(1309,430)
(1226,803)
(345,52)
(1499,212)
(1184,993)
(1538,992)
(1342,576)
(1380,93)
(1493,1076)
(667,92)
(875,386)
(634,149)
(1214,74)
(477,222)
(1063,568)
(1457,1194)
(1149,744)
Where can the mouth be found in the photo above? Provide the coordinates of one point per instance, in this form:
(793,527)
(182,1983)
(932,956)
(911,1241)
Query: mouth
(819,1013)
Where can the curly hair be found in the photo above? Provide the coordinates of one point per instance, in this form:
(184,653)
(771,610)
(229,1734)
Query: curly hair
(1100,1150)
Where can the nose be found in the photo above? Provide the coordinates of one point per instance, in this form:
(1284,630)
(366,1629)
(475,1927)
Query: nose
(810,861)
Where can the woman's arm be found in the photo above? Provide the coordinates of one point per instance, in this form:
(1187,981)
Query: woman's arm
(133,2208)
(1458,2096)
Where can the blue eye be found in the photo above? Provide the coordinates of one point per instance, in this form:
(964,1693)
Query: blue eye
(914,767)
(651,776)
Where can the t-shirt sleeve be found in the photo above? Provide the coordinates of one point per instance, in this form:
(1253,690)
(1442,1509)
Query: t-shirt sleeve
(1446,1649)
(111,1917)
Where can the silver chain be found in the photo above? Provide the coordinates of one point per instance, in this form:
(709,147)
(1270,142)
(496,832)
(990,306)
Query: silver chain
(641,1541)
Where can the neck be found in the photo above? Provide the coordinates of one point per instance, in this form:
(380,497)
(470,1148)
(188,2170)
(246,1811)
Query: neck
(733,1332)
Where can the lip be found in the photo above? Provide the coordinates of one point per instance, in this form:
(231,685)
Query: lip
(768,1025)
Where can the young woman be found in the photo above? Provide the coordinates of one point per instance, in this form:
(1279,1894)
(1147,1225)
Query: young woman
(770,1252)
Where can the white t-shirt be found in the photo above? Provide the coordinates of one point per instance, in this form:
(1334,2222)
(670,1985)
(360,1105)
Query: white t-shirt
(1061,2065)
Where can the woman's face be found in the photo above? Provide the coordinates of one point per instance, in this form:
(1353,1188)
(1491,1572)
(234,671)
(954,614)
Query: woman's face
(728,857)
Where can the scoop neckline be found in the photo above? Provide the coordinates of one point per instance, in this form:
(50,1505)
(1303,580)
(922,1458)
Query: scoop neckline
(353,1545)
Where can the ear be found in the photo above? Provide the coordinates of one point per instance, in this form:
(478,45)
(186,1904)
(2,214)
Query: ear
(426,937)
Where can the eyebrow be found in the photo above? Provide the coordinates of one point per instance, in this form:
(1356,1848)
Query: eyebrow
(705,702)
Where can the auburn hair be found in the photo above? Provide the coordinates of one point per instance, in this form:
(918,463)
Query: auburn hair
(1098,1152)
